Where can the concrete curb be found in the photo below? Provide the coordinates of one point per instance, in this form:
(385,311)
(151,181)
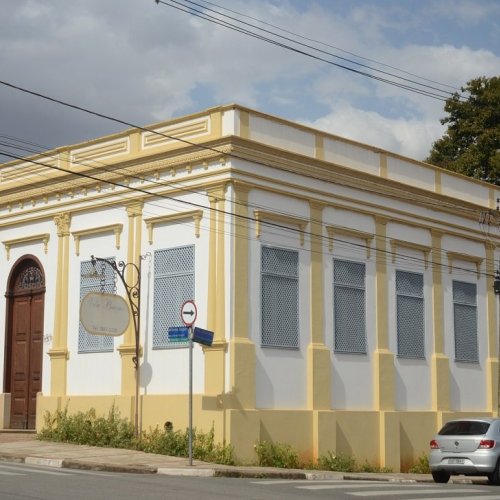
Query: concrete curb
(135,469)
(204,470)
(260,474)
(47,462)
(172,471)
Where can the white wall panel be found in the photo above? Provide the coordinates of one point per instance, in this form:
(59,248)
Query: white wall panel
(467,380)
(282,136)
(351,155)
(464,188)
(93,373)
(412,376)
(280,373)
(410,173)
(166,370)
(48,261)
(352,374)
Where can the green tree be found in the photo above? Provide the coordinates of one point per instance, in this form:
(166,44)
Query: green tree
(471,144)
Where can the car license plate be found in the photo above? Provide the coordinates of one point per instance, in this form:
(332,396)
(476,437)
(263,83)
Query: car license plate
(456,461)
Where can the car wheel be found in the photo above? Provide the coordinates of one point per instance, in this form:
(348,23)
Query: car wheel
(440,476)
(494,477)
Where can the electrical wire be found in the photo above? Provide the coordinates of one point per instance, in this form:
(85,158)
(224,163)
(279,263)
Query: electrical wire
(324,44)
(442,95)
(315,48)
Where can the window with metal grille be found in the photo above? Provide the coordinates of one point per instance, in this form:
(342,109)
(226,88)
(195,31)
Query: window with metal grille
(349,308)
(410,314)
(100,278)
(173,285)
(279,298)
(465,321)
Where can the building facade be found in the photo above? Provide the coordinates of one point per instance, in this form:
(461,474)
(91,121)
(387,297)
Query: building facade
(350,289)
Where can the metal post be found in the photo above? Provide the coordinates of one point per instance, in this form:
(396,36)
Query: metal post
(190,395)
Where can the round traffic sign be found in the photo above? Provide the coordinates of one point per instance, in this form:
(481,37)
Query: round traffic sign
(188,312)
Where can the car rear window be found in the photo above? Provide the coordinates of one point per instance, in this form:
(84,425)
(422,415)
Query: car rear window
(464,428)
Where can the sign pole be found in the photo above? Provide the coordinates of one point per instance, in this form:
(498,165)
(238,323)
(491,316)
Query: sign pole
(190,395)
(188,316)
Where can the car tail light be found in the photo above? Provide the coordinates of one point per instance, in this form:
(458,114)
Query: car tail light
(434,445)
(486,444)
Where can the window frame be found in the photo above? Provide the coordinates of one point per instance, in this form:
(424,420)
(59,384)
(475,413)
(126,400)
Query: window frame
(400,336)
(160,340)
(362,340)
(105,343)
(458,325)
(268,279)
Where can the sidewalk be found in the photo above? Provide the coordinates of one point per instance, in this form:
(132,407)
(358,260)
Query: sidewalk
(63,455)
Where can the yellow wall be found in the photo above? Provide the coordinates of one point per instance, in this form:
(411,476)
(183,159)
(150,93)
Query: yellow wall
(351,433)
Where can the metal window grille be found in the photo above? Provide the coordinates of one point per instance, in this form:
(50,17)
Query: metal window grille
(279,298)
(173,285)
(465,321)
(410,314)
(349,307)
(100,278)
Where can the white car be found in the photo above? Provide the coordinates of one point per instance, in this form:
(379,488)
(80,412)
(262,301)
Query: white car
(467,446)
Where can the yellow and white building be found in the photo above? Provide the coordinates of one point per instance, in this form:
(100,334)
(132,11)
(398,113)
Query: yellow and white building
(350,289)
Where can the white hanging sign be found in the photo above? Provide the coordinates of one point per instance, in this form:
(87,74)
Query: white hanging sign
(104,314)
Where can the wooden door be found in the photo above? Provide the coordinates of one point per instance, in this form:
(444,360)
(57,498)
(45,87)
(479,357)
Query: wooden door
(25,339)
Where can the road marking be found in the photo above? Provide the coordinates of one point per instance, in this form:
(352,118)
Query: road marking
(33,470)
(397,488)
(266,482)
(412,491)
(359,485)
(476,497)
(63,472)
(5,473)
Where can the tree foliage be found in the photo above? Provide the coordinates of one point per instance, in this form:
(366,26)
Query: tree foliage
(471,144)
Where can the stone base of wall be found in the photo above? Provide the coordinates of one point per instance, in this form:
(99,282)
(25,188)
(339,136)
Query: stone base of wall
(5,411)
(394,439)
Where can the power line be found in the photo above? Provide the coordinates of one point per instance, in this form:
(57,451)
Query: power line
(435,93)
(324,44)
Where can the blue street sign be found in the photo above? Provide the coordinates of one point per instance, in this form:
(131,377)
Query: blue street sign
(178,334)
(205,337)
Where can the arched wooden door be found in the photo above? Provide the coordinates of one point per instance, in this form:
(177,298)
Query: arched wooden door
(24,346)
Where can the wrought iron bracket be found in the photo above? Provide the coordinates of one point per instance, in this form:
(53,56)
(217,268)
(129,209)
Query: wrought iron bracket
(133,291)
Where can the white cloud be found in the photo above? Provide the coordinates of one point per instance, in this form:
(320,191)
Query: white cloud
(467,12)
(411,138)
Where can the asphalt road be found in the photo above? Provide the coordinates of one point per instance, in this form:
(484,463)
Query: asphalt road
(25,482)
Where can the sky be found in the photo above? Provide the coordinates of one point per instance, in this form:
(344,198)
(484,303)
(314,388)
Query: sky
(144,62)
